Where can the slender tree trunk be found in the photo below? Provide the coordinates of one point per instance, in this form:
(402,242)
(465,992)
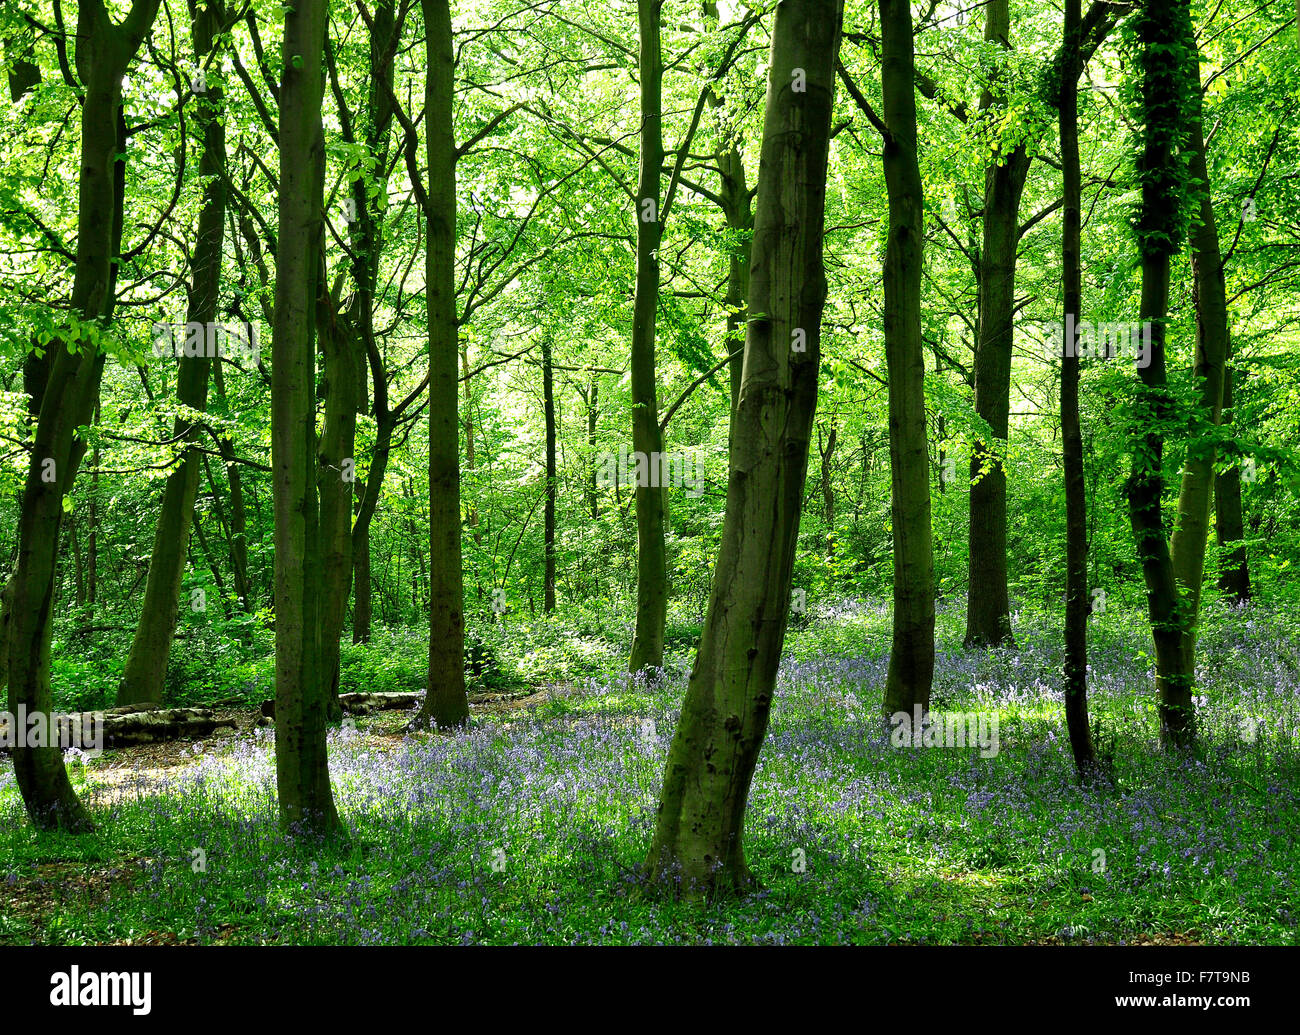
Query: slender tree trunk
(68,388)
(698,843)
(988,607)
(146,664)
(828,489)
(911,659)
(446,702)
(1191,532)
(335,475)
(1076,513)
(301,761)
(368,245)
(471,511)
(1162,34)
(1234,571)
(548,406)
(647,438)
(593,412)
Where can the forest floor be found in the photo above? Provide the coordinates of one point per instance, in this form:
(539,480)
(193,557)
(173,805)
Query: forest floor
(529,827)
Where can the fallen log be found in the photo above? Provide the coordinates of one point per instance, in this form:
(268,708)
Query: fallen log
(120,727)
(364,704)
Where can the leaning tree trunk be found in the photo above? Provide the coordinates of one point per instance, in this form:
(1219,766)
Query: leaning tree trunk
(911,658)
(69,390)
(1076,504)
(446,703)
(301,760)
(146,664)
(368,242)
(698,843)
(647,437)
(988,607)
(1192,531)
(1162,64)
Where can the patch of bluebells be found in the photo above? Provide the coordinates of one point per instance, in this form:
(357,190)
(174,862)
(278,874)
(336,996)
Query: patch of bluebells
(533,827)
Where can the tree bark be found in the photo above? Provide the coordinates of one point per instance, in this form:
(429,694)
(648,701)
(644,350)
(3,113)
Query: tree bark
(911,659)
(302,765)
(698,843)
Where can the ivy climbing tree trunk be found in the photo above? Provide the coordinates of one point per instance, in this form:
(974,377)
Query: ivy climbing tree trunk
(67,384)
(146,664)
(301,761)
(698,847)
(911,658)
(1162,30)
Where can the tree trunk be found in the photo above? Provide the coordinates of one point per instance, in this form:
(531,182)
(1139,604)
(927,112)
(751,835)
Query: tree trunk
(828,489)
(446,703)
(146,664)
(988,608)
(68,385)
(548,406)
(335,475)
(593,412)
(1162,35)
(647,438)
(368,246)
(1234,570)
(698,843)
(1191,532)
(1076,505)
(911,659)
(302,765)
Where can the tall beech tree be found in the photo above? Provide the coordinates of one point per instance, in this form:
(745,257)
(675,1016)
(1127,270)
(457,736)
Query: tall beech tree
(698,842)
(911,658)
(64,383)
(301,760)
(146,664)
